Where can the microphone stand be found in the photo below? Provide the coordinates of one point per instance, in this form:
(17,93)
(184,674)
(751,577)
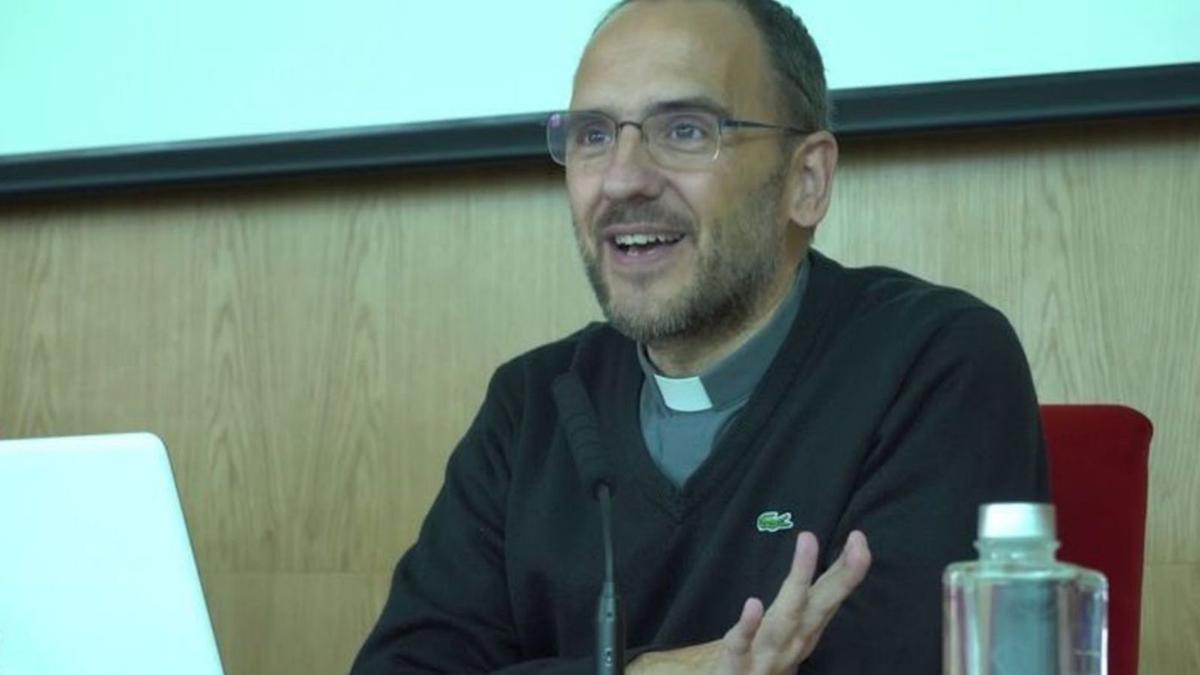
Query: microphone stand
(597,474)
(610,618)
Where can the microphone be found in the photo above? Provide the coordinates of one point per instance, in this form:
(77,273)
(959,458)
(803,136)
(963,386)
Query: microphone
(595,469)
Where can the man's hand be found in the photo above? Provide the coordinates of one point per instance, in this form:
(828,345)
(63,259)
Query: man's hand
(779,639)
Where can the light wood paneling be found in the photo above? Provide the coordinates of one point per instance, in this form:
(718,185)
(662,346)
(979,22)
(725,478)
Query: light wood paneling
(311,350)
(292,623)
(1171,620)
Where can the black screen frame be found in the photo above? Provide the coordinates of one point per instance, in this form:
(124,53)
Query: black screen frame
(874,111)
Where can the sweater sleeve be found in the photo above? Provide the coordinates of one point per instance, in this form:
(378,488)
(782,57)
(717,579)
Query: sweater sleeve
(963,430)
(448,609)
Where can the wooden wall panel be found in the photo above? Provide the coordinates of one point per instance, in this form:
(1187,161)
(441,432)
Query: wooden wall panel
(286,622)
(311,350)
(1171,625)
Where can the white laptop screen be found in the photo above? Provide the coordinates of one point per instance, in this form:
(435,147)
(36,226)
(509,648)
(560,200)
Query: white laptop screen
(96,570)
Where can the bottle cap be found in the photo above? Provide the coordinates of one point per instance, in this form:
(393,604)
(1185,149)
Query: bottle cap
(1017,520)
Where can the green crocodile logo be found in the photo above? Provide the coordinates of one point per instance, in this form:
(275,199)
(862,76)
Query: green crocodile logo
(774,521)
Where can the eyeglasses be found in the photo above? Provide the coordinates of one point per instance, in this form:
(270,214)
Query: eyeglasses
(675,139)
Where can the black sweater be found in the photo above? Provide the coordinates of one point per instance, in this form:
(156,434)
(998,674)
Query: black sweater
(895,407)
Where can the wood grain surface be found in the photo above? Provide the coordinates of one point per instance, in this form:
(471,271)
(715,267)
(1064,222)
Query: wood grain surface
(311,350)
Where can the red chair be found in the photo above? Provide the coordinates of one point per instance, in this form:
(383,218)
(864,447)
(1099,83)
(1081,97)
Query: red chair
(1098,474)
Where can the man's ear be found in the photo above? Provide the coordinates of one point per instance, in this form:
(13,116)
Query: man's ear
(810,182)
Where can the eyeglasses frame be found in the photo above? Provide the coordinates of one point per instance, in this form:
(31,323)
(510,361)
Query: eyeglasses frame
(723,123)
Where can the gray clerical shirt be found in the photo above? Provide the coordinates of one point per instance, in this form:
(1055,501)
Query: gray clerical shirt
(682,418)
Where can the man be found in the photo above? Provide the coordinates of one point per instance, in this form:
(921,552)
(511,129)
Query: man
(745,387)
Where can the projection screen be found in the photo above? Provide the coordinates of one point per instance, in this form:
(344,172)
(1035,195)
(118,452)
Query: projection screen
(128,92)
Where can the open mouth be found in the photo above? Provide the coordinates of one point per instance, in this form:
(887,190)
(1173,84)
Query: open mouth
(642,244)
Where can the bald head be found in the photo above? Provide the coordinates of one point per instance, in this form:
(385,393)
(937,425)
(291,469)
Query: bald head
(796,65)
(677,50)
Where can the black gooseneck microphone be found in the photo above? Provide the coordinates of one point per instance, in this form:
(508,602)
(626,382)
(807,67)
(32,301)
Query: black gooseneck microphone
(596,470)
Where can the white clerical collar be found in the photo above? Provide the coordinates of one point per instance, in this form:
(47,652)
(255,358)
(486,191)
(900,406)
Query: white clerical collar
(683,394)
(734,377)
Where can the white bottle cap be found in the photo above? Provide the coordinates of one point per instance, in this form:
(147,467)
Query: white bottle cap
(1017,520)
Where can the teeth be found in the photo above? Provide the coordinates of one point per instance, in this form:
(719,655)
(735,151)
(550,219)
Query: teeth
(644,239)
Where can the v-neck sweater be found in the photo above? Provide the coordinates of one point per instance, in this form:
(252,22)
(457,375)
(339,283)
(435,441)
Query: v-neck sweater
(681,418)
(895,407)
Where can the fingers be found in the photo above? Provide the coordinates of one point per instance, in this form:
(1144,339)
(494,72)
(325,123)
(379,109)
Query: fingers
(786,613)
(780,638)
(735,657)
(793,624)
(789,603)
(739,638)
(843,576)
(836,584)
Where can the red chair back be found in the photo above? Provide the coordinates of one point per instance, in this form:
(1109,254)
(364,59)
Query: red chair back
(1098,475)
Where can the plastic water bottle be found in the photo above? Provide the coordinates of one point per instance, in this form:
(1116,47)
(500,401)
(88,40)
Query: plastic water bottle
(1017,610)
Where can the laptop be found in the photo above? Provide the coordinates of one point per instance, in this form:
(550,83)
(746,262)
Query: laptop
(97,575)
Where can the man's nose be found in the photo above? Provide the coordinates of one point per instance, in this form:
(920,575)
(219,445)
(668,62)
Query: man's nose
(631,171)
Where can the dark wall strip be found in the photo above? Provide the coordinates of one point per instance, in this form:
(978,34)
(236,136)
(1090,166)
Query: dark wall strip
(1133,92)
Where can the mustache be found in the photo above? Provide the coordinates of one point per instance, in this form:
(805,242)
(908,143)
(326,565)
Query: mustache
(642,213)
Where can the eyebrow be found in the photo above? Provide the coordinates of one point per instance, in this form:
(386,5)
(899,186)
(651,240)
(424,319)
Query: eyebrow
(690,103)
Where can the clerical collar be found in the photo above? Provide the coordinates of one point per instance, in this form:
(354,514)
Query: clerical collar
(733,378)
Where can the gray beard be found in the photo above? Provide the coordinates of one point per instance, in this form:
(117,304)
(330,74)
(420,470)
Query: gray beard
(732,277)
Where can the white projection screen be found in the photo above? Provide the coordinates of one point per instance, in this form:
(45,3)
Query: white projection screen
(131,91)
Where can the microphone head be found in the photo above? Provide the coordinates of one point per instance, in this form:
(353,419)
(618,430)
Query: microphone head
(592,462)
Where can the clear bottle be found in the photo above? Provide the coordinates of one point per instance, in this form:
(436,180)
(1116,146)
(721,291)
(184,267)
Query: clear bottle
(1017,610)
